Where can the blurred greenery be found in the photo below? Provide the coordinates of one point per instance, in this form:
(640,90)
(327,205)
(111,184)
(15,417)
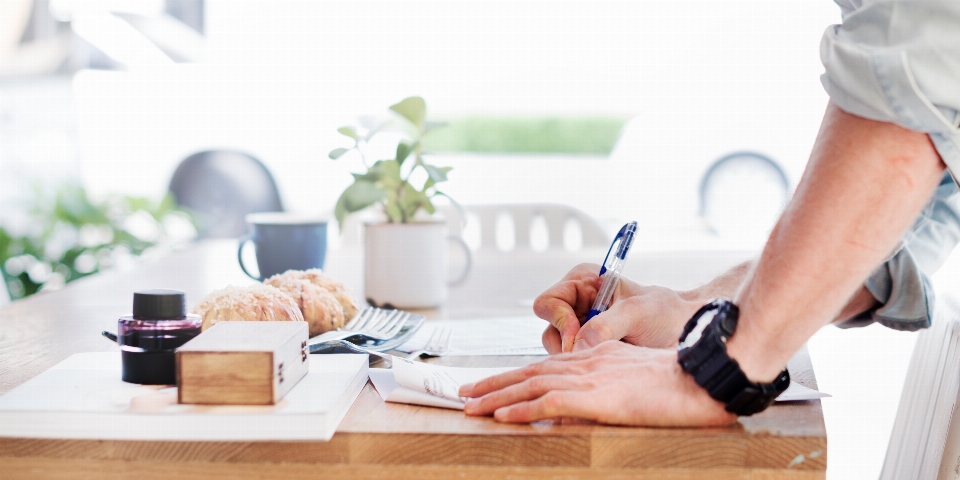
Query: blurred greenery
(61,235)
(486,134)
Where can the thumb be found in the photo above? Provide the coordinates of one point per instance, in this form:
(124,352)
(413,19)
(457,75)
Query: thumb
(609,325)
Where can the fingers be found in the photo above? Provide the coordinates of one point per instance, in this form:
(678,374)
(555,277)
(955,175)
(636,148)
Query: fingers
(556,403)
(497,382)
(551,340)
(566,302)
(559,313)
(529,389)
(613,324)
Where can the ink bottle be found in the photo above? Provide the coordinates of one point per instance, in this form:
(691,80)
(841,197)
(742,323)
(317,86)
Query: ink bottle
(150,335)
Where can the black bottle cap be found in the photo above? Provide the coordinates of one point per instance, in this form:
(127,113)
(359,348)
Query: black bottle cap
(159,304)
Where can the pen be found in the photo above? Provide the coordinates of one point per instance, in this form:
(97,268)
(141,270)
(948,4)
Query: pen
(612,268)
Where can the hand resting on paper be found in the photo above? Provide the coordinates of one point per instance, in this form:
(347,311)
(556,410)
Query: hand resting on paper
(611,383)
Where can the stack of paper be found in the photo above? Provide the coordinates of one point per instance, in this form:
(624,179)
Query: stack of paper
(485,336)
(83,397)
(925,443)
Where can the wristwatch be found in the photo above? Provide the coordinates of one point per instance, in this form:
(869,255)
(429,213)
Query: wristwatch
(703,354)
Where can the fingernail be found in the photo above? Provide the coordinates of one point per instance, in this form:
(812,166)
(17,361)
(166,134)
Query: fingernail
(465,389)
(471,405)
(501,414)
(587,339)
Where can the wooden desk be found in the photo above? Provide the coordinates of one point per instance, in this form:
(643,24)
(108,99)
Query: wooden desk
(379,440)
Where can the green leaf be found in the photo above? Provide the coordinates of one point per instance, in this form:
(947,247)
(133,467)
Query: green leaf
(428,205)
(463,212)
(348,132)
(437,174)
(403,151)
(338,152)
(356,197)
(413,109)
(386,171)
(393,211)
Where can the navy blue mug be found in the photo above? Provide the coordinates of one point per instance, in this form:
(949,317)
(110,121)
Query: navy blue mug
(284,241)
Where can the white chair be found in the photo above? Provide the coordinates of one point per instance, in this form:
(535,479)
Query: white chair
(525,227)
(925,442)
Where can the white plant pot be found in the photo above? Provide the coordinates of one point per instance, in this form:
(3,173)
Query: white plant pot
(406,264)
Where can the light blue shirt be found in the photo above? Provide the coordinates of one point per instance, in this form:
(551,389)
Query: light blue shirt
(898,61)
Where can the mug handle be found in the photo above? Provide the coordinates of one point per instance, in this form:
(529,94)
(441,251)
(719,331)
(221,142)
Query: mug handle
(243,241)
(466,269)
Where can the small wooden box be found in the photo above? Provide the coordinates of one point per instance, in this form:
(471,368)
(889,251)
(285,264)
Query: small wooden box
(242,363)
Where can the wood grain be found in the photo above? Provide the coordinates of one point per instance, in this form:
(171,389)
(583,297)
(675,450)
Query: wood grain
(225,378)
(377,439)
(140,470)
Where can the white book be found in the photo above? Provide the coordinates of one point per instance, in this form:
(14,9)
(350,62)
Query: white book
(83,397)
(920,445)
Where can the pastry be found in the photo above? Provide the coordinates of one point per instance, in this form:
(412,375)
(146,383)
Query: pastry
(320,307)
(316,276)
(256,302)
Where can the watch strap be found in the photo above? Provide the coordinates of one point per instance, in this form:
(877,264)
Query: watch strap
(721,376)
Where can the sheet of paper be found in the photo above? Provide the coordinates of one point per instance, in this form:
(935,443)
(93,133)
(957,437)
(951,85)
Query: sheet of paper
(485,336)
(418,383)
(798,392)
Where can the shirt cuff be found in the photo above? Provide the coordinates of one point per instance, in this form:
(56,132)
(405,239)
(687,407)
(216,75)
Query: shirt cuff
(904,292)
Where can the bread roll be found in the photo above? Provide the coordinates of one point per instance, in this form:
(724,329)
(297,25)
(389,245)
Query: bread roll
(320,308)
(256,302)
(316,277)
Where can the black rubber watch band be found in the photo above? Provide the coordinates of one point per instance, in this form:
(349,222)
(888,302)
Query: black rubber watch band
(706,359)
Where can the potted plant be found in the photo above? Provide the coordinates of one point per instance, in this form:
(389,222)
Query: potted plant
(405,256)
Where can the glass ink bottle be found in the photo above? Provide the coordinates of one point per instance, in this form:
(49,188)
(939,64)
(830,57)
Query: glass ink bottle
(150,335)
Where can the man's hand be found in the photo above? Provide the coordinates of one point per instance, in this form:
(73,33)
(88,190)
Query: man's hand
(611,383)
(648,316)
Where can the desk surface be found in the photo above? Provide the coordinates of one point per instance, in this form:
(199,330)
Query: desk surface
(377,439)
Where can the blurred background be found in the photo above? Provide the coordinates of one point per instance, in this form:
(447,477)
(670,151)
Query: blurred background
(693,118)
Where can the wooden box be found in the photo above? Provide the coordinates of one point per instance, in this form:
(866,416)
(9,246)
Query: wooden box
(242,363)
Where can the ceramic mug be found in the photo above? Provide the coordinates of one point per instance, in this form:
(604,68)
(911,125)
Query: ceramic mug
(406,264)
(284,241)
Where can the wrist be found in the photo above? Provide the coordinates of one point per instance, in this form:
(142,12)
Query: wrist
(703,353)
(758,353)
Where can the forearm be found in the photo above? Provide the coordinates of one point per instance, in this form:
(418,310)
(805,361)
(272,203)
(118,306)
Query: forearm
(725,285)
(729,283)
(864,185)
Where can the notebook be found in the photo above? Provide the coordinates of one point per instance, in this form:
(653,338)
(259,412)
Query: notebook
(83,397)
(925,442)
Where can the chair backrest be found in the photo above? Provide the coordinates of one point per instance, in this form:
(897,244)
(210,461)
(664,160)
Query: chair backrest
(221,187)
(548,226)
(925,442)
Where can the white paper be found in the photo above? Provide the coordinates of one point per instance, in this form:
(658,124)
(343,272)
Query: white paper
(485,336)
(418,383)
(797,392)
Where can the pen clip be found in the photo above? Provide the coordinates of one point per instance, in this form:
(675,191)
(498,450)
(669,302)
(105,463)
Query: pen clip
(623,241)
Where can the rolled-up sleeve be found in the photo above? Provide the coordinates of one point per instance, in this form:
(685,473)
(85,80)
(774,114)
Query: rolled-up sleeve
(902,285)
(899,61)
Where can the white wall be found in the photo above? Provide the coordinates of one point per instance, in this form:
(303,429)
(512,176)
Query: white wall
(702,78)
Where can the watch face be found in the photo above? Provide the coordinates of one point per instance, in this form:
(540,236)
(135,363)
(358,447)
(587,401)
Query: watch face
(694,336)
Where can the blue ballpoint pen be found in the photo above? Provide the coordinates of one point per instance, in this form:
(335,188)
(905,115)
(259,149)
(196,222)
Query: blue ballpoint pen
(612,268)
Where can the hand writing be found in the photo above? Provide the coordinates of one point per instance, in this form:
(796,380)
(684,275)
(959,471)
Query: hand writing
(641,315)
